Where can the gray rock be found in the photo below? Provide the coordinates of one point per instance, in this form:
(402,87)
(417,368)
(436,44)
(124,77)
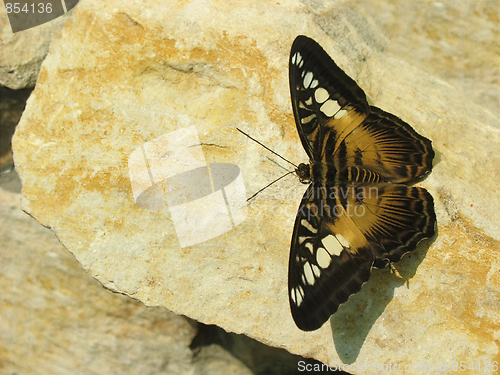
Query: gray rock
(122,74)
(56,319)
(22,53)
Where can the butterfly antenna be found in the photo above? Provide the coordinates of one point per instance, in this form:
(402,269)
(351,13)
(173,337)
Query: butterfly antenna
(268,149)
(265,187)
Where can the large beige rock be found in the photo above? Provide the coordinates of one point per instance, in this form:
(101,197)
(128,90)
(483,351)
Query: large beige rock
(458,41)
(124,73)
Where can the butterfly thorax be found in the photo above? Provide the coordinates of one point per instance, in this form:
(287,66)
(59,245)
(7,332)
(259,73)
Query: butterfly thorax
(317,171)
(304,173)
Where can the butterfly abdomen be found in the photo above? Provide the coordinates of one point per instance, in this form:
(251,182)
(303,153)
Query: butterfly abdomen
(327,172)
(357,175)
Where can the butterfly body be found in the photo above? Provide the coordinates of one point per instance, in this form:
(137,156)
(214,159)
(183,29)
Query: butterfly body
(357,212)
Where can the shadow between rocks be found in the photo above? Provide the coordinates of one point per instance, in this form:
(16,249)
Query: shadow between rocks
(354,319)
(12,104)
(213,346)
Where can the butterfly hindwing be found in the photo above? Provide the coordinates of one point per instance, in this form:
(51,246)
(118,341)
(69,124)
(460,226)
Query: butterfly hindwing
(393,218)
(356,213)
(341,232)
(388,146)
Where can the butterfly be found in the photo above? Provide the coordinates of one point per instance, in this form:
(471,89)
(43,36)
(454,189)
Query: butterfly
(358,212)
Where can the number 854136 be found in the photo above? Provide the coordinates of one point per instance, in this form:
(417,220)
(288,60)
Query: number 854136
(32,8)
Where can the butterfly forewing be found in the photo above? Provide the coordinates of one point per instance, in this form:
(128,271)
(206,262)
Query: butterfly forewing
(330,259)
(323,109)
(356,214)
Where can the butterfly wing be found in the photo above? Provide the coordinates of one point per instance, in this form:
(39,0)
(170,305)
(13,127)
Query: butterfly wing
(330,259)
(336,124)
(326,102)
(340,233)
(393,218)
(388,146)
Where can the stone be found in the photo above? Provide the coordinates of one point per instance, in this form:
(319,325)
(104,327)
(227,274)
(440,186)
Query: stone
(57,319)
(457,41)
(22,53)
(122,75)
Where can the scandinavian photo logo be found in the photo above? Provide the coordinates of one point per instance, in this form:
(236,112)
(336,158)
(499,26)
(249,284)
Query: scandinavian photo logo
(204,200)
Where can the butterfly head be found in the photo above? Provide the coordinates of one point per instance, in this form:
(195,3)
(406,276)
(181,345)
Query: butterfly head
(304,173)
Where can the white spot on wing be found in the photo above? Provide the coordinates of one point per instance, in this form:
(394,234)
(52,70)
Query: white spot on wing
(330,108)
(309,247)
(301,291)
(333,245)
(343,241)
(314,84)
(302,239)
(309,101)
(308,226)
(308,79)
(316,270)
(299,295)
(299,300)
(293,296)
(305,120)
(340,113)
(297,58)
(296,295)
(321,95)
(308,273)
(323,258)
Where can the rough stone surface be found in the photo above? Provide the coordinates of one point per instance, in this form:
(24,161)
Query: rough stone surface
(55,319)
(458,41)
(125,72)
(22,53)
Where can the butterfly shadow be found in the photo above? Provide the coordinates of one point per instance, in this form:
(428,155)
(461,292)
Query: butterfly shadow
(354,319)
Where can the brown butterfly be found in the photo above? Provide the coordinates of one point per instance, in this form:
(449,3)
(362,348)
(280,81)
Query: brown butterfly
(358,212)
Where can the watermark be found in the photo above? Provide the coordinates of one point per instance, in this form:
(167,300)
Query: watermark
(337,201)
(357,193)
(24,15)
(204,200)
(373,366)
